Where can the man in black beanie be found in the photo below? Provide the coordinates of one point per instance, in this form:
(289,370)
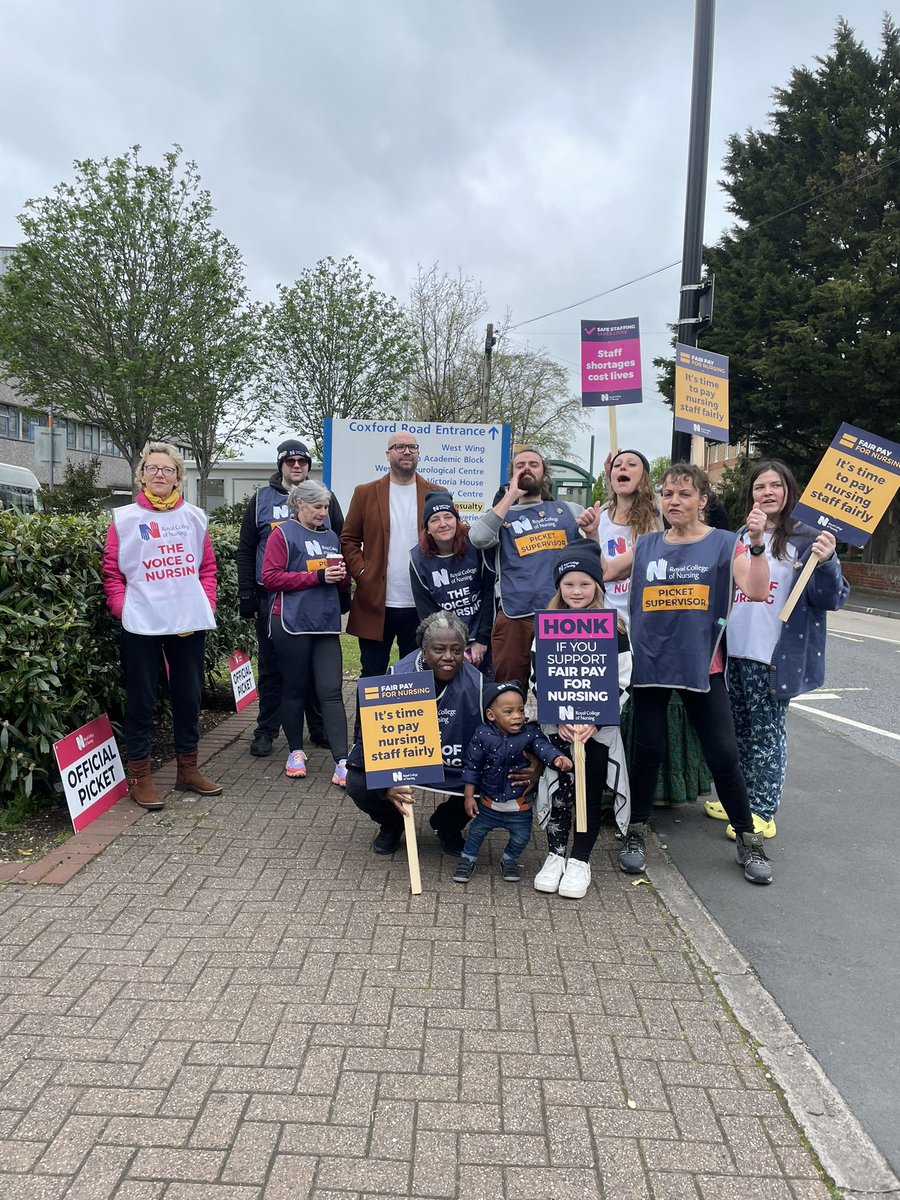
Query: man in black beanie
(268,508)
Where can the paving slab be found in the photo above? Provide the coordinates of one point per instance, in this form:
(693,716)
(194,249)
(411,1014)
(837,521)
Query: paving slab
(237,998)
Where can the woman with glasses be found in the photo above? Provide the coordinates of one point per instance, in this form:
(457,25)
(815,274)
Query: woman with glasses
(159,575)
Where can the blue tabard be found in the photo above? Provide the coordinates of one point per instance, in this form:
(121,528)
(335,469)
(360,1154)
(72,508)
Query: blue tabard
(530,537)
(314,609)
(454,583)
(459,715)
(681,596)
(271,510)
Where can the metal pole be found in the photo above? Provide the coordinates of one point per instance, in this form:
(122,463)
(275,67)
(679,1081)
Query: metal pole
(486,377)
(695,199)
(50,424)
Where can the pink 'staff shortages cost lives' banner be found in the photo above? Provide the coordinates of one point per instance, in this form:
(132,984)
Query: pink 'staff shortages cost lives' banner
(610,363)
(91,769)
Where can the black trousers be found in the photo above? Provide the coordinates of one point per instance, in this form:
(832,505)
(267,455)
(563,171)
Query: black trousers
(450,815)
(374,654)
(710,714)
(142,658)
(311,661)
(269,683)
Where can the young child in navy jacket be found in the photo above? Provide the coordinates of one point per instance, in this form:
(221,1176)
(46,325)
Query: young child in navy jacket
(498,747)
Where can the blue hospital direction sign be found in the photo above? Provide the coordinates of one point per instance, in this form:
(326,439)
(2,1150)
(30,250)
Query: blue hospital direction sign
(470,461)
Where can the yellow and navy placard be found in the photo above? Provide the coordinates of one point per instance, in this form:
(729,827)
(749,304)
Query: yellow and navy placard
(701,393)
(400,733)
(852,485)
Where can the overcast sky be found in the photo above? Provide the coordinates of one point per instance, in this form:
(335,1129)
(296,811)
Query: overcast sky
(539,146)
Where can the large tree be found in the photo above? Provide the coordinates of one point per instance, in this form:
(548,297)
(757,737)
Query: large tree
(99,302)
(338,347)
(528,390)
(224,399)
(808,279)
(444,313)
(530,393)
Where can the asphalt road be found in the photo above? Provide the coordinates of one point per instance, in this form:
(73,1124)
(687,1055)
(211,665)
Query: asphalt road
(824,938)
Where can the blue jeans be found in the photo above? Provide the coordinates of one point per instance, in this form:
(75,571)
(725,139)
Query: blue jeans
(517,823)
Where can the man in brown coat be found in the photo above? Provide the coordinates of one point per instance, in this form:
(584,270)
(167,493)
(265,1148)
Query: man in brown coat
(382,526)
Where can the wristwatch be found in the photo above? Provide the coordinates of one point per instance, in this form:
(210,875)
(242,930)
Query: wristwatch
(757,550)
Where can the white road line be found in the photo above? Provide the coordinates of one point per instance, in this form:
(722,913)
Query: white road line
(872,637)
(822,696)
(820,712)
(843,636)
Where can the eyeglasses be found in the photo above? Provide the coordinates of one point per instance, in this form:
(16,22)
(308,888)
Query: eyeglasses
(294,462)
(404,446)
(169,472)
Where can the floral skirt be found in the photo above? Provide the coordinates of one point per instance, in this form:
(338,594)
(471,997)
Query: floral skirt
(684,774)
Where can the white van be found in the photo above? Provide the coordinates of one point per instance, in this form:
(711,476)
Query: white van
(19,488)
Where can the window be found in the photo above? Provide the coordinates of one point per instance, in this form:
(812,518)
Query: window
(90,438)
(30,422)
(108,446)
(71,431)
(9,421)
(215,494)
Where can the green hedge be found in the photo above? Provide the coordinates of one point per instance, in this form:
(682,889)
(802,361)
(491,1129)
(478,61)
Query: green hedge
(59,645)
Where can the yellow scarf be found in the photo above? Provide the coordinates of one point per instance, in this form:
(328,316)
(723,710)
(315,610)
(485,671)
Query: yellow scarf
(163,504)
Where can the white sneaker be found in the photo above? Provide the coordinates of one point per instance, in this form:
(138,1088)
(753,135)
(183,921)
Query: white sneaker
(548,877)
(577,879)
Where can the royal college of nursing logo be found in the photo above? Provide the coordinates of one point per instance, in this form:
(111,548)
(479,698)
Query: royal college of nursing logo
(656,569)
(149,531)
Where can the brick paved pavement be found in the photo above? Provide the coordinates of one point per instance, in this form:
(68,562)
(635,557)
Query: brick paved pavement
(238,1000)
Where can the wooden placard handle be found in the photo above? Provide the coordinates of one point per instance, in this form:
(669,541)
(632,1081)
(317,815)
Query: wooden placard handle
(580,787)
(799,586)
(412,851)
(613,435)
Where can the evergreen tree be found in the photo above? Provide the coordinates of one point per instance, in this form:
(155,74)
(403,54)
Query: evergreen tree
(807,297)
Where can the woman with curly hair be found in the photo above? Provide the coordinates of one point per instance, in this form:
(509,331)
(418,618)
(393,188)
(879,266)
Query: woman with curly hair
(632,512)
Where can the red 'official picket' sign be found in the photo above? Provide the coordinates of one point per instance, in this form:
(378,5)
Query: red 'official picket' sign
(242,682)
(91,769)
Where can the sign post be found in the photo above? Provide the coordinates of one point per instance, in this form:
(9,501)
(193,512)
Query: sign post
(576,663)
(849,493)
(401,742)
(91,769)
(611,367)
(242,682)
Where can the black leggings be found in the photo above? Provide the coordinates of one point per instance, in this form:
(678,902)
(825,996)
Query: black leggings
(311,661)
(710,714)
(562,803)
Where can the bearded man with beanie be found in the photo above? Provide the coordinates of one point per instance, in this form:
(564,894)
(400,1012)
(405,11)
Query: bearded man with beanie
(268,508)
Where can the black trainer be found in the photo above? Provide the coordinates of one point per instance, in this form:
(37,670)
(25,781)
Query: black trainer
(751,856)
(632,853)
(509,869)
(388,839)
(452,841)
(464,869)
(261,746)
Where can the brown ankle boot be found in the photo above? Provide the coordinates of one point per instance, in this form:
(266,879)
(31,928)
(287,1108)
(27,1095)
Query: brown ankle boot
(141,786)
(189,779)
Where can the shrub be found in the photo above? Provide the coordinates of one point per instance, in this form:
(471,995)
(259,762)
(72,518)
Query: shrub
(59,644)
